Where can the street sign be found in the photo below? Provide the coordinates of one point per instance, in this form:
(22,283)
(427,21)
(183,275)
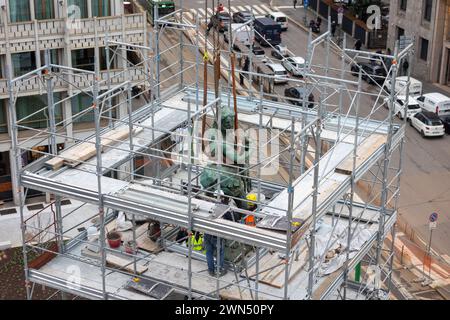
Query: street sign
(432,225)
(433,217)
(306,3)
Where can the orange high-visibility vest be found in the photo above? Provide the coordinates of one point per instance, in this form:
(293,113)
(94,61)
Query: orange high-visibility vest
(250,220)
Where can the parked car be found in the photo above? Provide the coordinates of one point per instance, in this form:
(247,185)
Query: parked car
(279,18)
(372,73)
(242,16)
(279,52)
(259,55)
(446,122)
(435,102)
(294,65)
(415,86)
(279,72)
(299,93)
(399,107)
(428,124)
(221,20)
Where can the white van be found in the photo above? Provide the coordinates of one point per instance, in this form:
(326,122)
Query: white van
(435,102)
(279,18)
(241,33)
(415,87)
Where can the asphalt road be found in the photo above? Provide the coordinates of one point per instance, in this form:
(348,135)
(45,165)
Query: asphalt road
(425,181)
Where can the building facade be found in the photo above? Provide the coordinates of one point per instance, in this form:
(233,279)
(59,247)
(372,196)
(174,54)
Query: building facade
(427,23)
(67,28)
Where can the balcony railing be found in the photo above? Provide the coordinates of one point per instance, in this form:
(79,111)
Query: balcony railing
(51,33)
(34,86)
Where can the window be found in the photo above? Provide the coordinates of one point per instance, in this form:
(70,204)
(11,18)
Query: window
(400,33)
(43,9)
(23,63)
(19,10)
(3,120)
(81,102)
(31,104)
(428,6)
(77,9)
(84,59)
(100,8)
(423,49)
(54,56)
(403,4)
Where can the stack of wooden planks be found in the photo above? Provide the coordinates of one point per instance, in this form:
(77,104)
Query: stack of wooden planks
(272,268)
(86,150)
(364,151)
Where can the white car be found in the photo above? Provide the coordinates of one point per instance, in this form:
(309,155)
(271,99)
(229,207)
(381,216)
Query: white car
(399,107)
(279,18)
(279,51)
(279,72)
(294,65)
(428,124)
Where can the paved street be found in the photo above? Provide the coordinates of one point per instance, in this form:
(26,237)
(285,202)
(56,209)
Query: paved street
(425,182)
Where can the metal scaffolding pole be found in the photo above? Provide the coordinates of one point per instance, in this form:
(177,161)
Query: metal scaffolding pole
(312,242)
(290,189)
(352,187)
(98,146)
(386,161)
(18,170)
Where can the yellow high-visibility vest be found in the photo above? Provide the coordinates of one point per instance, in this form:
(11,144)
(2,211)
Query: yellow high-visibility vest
(197,245)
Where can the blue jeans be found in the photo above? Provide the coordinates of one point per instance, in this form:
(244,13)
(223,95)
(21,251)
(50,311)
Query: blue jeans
(211,246)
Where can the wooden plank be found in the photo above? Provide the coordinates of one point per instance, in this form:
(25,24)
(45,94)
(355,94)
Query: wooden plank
(364,151)
(275,276)
(294,269)
(115,261)
(124,264)
(87,150)
(266,262)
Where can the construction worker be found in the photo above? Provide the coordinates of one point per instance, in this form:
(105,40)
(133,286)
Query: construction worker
(251,206)
(212,245)
(197,242)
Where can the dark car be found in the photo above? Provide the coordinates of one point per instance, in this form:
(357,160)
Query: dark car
(258,51)
(221,20)
(242,16)
(372,73)
(298,93)
(446,121)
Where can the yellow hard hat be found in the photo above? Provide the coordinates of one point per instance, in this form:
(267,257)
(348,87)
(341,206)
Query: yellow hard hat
(251,197)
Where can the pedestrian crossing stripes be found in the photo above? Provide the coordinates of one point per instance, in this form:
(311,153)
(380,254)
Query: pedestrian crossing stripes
(258,10)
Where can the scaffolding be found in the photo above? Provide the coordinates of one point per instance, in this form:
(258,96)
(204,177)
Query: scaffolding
(312,230)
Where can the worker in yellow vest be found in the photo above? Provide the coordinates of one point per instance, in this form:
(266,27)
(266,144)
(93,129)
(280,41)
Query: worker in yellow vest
(197,242)
(250,219)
